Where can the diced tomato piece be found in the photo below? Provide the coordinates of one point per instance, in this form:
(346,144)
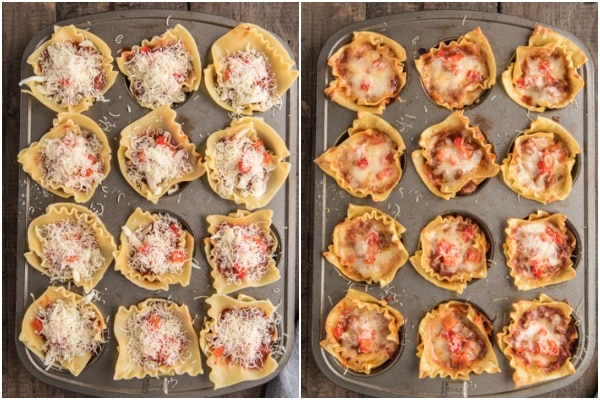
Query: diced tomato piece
(266,157)
(239,271)
(365,341)
(448,252)
(174,228)
(37,325)
(522,83)
(384,173)
(243,167)
(93,159)
(365,86)
(338,331)
(144,248)
(85,172)
(154,321)
(65,81)
(162,141)
(474,76)
(71,258)
(538,268)
(227,74)
(388,159)
(555,236)
(145,49)
(363,163)
(219,351)
(459,141)
(177,256)
(468,233)
(473,254)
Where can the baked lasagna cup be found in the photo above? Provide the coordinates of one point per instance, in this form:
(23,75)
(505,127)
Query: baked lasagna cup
(242,250)
(69,243)
(368,161)
(163,70)
(245,162)
(64,330)
(456,74)
(539,250)
(156,250)
(539,340)
(455,158)
(156,156)
(539,166)
(70,160)
(251,70)
(454,342)
(73,70)
(362,333)
(368,73)
(452,252)
(544,73)
(239,339)
(155,338)
(367,246)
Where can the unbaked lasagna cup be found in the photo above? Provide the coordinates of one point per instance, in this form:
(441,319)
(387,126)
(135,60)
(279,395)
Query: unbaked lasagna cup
(245,162)
(156,157)
(250,71)
(73,70)
(64,329)
(70,243)
(70,160)
(363,334)
(164,70)
(156,250)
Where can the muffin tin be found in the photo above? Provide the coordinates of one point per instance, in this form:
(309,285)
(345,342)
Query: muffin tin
(413,205)
(115,200)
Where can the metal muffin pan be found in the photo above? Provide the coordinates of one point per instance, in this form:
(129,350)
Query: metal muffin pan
(413,205)
(115,200)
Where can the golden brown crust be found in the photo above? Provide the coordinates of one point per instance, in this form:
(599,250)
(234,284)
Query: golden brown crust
(538,250)
(368,72)
(544,352)
(385,252)
(455,342)
(539,167)
(454,157)
(362,348)
(456,74)
(367,163)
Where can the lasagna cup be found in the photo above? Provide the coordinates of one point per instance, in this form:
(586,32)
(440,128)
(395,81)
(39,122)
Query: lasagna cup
(452,252)
(155,155)
(455,157)
(69,243)
(72,70)
(368,72)
(539,341)
(239,339)
(156,251)
(245,162)
(163,70)
(544,73)
(70,160)
(241,250)
(155,338)
(454,341)
(539,166)
(63,329)
(539,250)
(456,74)
(367,246)
(368,161)
(250,72)
(362,333)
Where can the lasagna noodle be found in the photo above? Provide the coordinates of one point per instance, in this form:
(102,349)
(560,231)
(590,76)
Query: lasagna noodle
(220,170)
(454,156)
(241,219)
(171,37)
(126,368)
(35,342)
(540,165)
(544,73)
(464,243)
(367,163)
(242,38)
(455,342)
(535,244)
(368,72)
(351,251)
(348,353)
(163,119)
(223,373)
(143,220)
(76,36)
(552,335)
(64,213)
(455,75)
(67,124)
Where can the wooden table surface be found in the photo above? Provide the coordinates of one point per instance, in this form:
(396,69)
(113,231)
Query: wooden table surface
(318,22)
(21,21)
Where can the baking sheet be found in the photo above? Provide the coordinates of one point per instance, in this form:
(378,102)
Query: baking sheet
(115,200)
(414,206)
